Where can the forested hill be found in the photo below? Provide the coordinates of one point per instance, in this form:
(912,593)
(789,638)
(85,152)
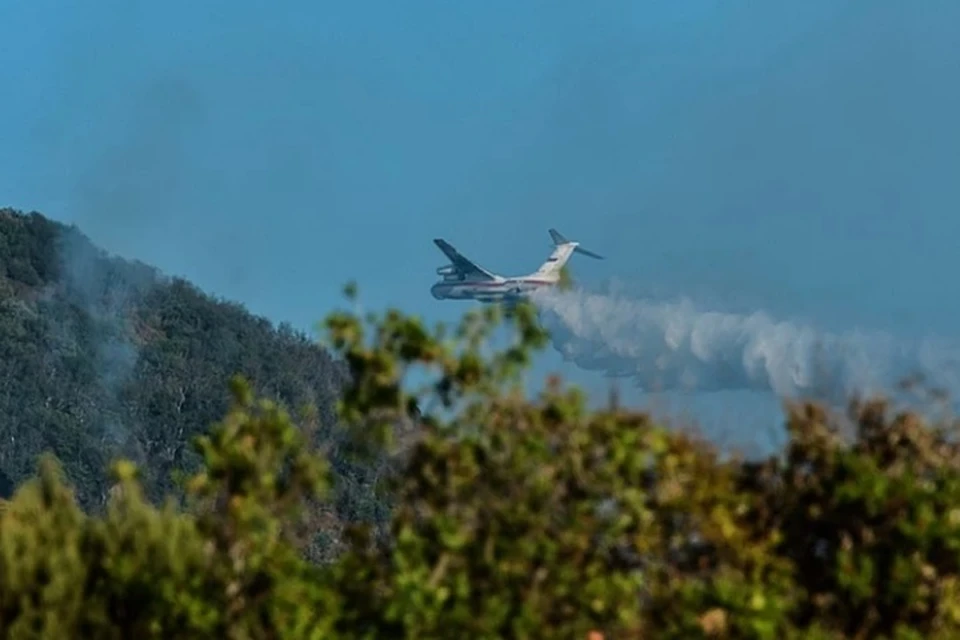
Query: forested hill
(100,356)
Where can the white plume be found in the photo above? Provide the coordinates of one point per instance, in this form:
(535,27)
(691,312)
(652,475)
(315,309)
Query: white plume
(674,346)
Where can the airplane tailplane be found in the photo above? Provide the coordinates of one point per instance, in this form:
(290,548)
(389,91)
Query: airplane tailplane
(559,240)
(562,252)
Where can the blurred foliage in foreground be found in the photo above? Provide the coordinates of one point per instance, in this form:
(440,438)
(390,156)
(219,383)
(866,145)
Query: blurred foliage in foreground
(511,519)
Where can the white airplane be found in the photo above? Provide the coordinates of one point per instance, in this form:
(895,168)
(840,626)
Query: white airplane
(464,279)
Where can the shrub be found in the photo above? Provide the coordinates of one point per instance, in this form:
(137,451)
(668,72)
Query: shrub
(510,518)
(227,568)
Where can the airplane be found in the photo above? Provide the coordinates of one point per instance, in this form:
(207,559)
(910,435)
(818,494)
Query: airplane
(464,279)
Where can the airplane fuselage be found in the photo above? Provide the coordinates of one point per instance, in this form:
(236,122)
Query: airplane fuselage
(502,290)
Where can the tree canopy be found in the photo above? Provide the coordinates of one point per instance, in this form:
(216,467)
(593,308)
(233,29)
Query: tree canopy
(509,518)
(103,357)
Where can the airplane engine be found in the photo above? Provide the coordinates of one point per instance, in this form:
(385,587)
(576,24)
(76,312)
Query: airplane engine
(447,270)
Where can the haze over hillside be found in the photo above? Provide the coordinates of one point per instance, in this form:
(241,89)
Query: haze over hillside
(101,356)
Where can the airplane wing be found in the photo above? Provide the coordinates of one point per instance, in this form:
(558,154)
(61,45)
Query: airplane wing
(465,266)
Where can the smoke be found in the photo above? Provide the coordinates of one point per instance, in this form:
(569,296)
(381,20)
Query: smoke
(126,183)
(676,346)
(107,290)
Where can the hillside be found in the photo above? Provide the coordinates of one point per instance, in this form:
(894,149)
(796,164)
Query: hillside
(100,356)
(511,518)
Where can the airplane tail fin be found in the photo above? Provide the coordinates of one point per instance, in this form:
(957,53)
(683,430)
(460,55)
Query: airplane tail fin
(563,250)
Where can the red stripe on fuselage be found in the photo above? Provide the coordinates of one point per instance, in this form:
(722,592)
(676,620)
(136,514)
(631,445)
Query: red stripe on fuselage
(496,284)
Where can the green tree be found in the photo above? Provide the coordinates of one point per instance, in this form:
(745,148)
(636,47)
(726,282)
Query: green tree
(520,518)
(103,357)
(509,517)
(229,567)
(871,525)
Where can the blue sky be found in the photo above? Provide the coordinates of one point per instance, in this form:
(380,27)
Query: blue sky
(801,158)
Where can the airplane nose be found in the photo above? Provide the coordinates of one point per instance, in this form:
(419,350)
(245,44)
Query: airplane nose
(435,292)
